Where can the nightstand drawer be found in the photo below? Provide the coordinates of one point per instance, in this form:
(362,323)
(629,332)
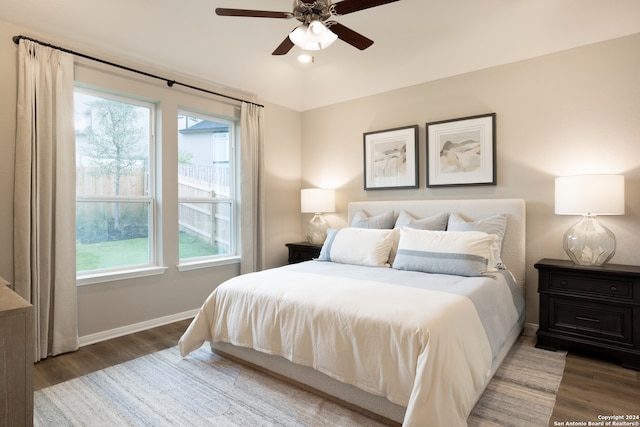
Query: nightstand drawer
(303,251)
(594,286)
(298,255)
(596,320)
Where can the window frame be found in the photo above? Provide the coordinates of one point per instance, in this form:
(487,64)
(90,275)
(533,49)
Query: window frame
(233,256)
(152,267)
(168,101)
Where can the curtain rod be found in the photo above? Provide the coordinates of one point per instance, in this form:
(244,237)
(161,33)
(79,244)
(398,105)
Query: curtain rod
(170,83)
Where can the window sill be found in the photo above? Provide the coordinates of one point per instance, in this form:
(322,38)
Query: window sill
(194,265)
(92,279)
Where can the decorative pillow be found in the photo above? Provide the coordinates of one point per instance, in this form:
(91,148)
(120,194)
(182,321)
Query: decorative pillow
(437,222)
(359,246)
(496,224)
(463,253)
(383,221)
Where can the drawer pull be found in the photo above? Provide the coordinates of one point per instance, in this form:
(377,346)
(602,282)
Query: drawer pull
(563,282)
(588,319)
(613,289)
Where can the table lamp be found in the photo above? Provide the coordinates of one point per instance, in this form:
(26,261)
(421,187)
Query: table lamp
(317,201)
(588,242)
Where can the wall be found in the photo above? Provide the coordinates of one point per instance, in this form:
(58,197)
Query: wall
(282,156)
(572,112)
(8,91)
(112,308)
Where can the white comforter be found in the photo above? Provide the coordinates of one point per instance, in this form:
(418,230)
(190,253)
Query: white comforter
(423,349)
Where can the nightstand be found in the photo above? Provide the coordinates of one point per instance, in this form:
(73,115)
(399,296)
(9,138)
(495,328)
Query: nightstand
(595,309)
(303,251)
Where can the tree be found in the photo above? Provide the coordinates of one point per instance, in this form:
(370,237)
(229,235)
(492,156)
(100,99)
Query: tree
(117,142)
(184,157)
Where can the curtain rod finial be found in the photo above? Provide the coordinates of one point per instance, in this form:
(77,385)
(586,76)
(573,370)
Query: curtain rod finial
(16,39)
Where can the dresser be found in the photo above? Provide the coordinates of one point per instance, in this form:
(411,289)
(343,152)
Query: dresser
(595,309)
(303,251)
(16,359)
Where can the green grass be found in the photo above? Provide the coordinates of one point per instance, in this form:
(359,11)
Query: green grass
(192,247)
(122,253)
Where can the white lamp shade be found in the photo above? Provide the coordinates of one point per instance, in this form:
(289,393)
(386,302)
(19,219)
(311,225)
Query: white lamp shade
(317,200)
(590,194)
(313,36)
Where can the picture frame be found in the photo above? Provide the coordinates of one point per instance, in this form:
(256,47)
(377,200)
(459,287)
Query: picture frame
(462,151)
(391,158)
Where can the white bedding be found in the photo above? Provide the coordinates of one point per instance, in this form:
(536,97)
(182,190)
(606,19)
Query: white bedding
(416,338)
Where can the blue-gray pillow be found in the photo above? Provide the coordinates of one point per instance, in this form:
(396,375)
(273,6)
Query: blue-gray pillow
(496,225)
(437,222)
(384,220)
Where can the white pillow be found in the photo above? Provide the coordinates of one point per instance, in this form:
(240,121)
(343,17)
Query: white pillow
(383,221)
(405,219)
(462,253)
(358,246)
(496,224)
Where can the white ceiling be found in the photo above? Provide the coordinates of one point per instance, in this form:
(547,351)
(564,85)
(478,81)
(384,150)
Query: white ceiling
(415,40)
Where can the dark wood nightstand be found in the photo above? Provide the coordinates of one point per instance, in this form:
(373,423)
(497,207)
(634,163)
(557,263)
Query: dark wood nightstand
(595,309)
(303,251)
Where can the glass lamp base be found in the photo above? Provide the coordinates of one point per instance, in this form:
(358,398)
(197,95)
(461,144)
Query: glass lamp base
(317,229)
(589,243)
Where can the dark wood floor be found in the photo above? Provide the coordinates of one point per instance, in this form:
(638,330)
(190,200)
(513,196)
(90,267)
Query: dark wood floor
(94,357)
(590,386)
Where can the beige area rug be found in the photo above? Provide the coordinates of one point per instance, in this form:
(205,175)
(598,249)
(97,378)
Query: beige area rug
(205,389)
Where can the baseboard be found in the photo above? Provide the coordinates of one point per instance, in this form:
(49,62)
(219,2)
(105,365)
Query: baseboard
(136,327)
(530,329)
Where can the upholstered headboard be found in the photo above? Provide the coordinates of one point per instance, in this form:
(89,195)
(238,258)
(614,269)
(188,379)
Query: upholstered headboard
(513,246)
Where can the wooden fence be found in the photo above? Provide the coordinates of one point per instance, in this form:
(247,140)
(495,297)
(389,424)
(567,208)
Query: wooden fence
(210,222)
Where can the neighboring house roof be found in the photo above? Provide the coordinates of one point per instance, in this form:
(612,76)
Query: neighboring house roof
(206,126)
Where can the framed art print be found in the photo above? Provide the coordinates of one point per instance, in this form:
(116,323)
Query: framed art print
(462,151)
(391,158)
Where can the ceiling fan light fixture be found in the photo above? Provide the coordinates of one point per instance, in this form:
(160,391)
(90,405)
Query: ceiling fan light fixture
(317,27)
(305,58)
(312,36)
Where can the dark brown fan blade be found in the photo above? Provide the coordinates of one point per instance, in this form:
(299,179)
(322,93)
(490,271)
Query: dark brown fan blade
(348,35)
(253,13)
(348,6)
(284,47)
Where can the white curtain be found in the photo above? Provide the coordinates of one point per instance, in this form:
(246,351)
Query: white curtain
(252,188)
(44,196)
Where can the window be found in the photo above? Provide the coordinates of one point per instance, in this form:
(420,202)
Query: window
(136,217)
(114,182)
(206,188)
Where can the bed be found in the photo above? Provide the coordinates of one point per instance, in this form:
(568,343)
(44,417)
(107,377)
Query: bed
(412,335)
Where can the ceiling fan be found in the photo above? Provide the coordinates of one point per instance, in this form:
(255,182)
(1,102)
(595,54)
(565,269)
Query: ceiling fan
(316,31)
